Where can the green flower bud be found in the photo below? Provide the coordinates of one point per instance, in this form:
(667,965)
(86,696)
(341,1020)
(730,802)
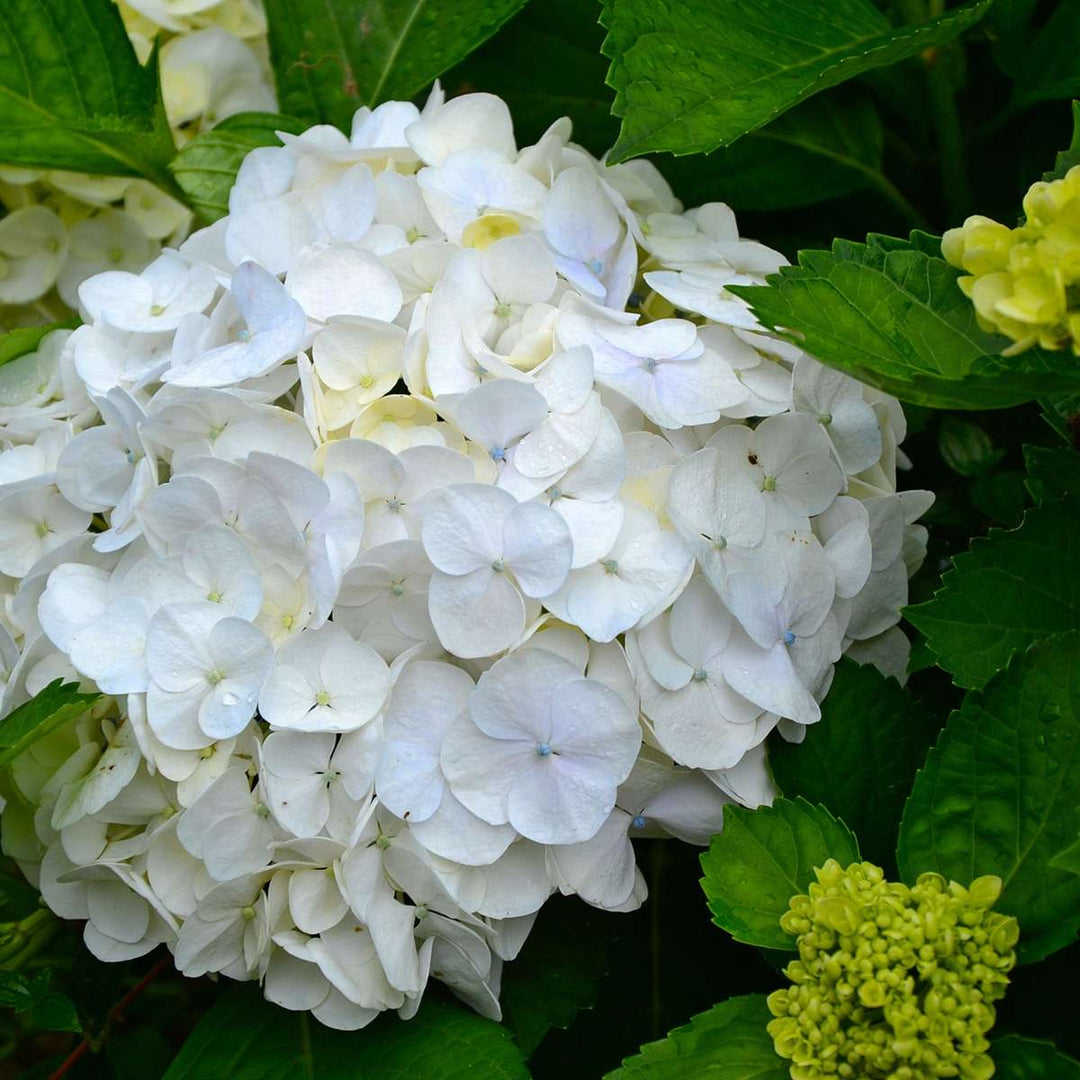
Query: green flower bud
(892,983)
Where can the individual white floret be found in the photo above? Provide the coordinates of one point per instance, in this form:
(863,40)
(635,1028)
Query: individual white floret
(542,748)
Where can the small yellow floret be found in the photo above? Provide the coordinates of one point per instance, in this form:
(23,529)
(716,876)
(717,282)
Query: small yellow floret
(1025,282)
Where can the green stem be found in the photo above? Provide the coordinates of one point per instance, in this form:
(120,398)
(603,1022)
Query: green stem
(950,136)
(898,199)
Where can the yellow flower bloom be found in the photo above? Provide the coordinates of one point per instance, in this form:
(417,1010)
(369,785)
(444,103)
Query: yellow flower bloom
(1025,282)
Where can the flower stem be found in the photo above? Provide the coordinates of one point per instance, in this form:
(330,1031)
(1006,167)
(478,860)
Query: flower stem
(949,135)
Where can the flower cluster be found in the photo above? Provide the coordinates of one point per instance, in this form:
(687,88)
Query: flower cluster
(1024,281)
(432,524)
(892,981)
(63,227)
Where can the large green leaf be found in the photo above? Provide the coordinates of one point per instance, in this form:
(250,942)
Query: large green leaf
(1051,472)
(827,147)
(729,1042)
(332,56)
(1018,1058)
(694,75)
(520,65)
(1042,61)
(206,168)
(74,96)
(243,1037)
(555,975)
(44,712)
(998,795)
(890,313)
(1012,588)
(860,759)
(763,858)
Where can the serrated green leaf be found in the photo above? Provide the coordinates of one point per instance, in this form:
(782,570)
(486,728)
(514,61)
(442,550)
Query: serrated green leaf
(517,64)
(332,56)
(555,975)
(1018,1058)
(729,1042)
(694,75)
(206,167)
(1012,588)
(244,1037)
(1069,157)
(893,316)
(74,96)
(860,759)
(44,712)
(763,858)
(827,147)
(998,795)
(1052,473)
(56,1012)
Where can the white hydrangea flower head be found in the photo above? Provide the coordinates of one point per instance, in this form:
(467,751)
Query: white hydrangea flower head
(433,525)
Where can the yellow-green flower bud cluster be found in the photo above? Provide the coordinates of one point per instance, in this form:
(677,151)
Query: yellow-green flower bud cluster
(892,982)
(1025,282)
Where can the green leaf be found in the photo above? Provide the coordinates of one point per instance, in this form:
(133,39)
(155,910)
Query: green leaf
(694,75)
(332,56)
(1012,588)
(763,858)
(45,712)
(56,1012)
(16,343)
(860,759)
(518,64)
(890,313)
(998,795)
(206,167)
(74,96)
(1069,859)
(1018,1058)
(1066,159)
(1052,473)
(827,147)
(244,1037)
(21,992)
(1045,65)
(1001,497)
(729,1042)
(555,975)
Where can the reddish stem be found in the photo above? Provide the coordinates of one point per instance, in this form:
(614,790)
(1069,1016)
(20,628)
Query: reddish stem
(114,1014)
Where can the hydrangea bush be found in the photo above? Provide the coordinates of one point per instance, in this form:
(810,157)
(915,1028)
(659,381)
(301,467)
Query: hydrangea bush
(397,496)
(433,533)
